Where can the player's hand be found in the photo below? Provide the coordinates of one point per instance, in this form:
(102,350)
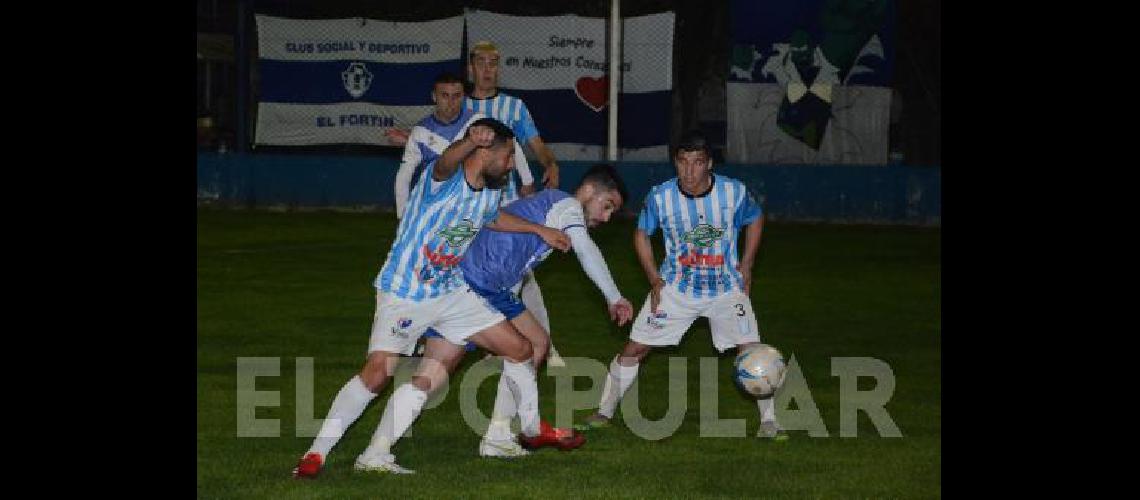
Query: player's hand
(555,238)
(655,294)
(621,311)
(481,135)
(746,273)
(550,177)
(526,190)
(397,136)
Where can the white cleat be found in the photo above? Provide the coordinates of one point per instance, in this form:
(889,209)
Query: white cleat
(380,463)
(501,449)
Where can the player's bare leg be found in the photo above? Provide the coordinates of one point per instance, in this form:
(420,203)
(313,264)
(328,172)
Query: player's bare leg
(348,405)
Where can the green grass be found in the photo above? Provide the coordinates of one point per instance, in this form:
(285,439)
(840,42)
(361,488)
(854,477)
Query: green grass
(299,285)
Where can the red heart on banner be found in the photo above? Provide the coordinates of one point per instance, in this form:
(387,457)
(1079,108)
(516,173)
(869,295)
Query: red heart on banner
(594,92)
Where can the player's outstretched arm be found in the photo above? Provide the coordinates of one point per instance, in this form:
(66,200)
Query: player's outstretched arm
(477,136)
(594,264)
(752,235)
(398,137)
(408,165)
(509,223)
(644,250)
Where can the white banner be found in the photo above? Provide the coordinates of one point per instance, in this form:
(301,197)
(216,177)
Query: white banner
(558,66)
(347,81)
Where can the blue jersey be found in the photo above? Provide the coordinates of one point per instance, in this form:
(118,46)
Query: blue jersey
(700,234)
(437,228)
(513,113)
(498,260)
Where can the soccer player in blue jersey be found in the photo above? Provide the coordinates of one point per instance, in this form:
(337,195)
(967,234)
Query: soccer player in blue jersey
(420,286)
(483,68)
(700,216)
(436,131)
(494,264)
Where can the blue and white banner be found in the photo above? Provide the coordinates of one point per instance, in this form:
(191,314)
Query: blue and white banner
(558,66)
(347,81)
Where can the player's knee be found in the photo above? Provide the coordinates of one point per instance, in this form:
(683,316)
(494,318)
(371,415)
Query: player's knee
(376,371)
(422,383)
(634,352)
(520,352)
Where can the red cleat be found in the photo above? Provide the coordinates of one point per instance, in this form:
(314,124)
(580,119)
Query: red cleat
(309,466)
(564,439)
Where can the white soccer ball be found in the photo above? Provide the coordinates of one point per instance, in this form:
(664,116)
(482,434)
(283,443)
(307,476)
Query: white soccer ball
(760,370)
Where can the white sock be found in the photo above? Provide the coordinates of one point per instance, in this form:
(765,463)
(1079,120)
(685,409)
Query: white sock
(524,386)
(402,409)
(348,405)
(618,381)
(503,413)
(531,297)
(767,409)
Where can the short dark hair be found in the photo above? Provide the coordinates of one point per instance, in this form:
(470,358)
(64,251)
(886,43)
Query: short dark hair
(446,78)
(693,140)
(606,176)
(503,133)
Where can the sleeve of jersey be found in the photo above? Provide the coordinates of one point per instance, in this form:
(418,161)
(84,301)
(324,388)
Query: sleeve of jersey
(747,211)
(524,127)
(593,263)
(647,219)
(522,166)
(408,165)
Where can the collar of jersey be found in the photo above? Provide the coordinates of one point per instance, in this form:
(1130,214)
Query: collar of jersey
(445,124)
(492,96)
(712,183)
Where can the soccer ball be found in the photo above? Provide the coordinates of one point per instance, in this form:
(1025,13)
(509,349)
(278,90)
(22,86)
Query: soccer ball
(760,370)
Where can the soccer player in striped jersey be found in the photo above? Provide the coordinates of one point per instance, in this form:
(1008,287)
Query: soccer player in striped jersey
(420,285)
(436,131)
(700,216)
(494,263)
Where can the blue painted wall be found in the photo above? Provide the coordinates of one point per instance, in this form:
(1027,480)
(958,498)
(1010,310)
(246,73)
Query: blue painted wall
(893,194)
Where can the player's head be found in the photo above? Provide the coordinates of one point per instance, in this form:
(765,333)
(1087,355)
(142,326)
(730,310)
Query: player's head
(447,94)
(693,159)
(499,158)
(601,193)
(483,66)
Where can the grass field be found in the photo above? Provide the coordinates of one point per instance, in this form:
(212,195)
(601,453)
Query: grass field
(298,285)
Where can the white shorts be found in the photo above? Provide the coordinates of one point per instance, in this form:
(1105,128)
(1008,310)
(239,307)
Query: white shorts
(399,323)
(730,318)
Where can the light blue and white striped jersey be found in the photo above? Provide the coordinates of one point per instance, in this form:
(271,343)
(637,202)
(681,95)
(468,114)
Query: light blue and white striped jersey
(434,233)
(513,113)
(700,233)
